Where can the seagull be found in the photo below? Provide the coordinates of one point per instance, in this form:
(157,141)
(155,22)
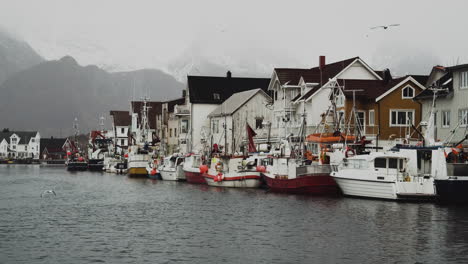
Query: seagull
(48,192)
(385,26)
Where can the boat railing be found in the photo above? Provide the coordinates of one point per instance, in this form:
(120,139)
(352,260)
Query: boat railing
(313,169)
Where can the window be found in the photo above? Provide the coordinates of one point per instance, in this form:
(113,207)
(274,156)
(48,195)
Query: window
(463,117)
(371,117)
(122,130)
(392,163)
(14,146)
(407,92)
(216,96)
(184,126)
(215,128)
(259,123)
(380,163)
(175,132)
(445,118)
(25,148)
(341,119)
(401,117)
(340,100)
(33,140)
(170,132)
(14,140)
(361,120)
(122,142)
(464,80)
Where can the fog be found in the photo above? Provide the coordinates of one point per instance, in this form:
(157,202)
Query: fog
(247,37)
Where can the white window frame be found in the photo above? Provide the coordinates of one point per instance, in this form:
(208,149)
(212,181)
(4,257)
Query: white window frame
(461,115)
(400,110)
(464,80)
(403,92)
(445,118)
(365,121)
(371,120)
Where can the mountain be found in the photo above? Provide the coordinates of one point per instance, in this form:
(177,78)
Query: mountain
(15,56)
(48,96)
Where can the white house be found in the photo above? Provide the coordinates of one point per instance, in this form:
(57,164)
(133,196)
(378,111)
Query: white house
(307,91)
(204,95)
(230,119)
(20,144)
(121,122)
(451,108)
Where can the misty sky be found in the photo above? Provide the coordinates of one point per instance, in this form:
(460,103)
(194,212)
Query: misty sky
(242,35)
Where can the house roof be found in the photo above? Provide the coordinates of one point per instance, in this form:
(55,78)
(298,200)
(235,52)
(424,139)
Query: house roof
(445,82)
(458,67)
(171,104)
(237,100)
(377,89)
(25,136)
(52,144)
(121,118)
(155,108)
(202,89)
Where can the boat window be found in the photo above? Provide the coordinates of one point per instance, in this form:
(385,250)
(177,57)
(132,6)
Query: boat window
(380,163)
(401,164)
(392,163)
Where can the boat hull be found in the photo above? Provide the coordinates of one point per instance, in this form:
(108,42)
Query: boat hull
(96,165)
(170,176)
(315,184)
(248,180)
(194,177)
(137,172)
(452,190)
(77,166)
(365,188)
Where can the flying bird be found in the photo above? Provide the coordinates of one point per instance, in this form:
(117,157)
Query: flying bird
(48,192)
(385,26)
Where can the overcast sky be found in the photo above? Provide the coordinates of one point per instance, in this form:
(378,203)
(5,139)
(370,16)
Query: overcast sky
(242,35)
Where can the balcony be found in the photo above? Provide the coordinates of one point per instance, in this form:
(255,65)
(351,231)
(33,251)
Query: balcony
(181,110)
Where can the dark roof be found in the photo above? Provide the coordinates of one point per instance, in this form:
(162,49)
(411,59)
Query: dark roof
(445,82)
(372,89)
(121,118)
(52,144)
(155,108)
(171,104)
(202,89)
(458,67)
(312,75)
(25,136)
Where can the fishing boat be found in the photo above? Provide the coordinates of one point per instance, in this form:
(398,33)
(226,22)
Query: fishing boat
(140,153)
(75,159)
(172,168)
(99,148)
(191,168)
(231,171)
(400,174)
(451,180)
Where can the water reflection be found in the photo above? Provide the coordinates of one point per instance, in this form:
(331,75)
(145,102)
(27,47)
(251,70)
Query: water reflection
(113,218)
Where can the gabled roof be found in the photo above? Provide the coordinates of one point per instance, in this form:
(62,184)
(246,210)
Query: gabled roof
(121,118)
(237,100)
(398,82)
(202,89)
(52,144)
(155,108)
(371,89)
(25,136)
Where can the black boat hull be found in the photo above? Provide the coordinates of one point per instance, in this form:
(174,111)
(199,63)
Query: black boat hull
(96,165)
(452,190)
(77,166)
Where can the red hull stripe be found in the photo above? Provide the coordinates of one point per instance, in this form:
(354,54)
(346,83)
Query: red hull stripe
(246,177)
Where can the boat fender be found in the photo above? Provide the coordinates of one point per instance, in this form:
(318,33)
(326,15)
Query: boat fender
(153,171)
(349,152)
(219,177)
(203,169)
(261,169)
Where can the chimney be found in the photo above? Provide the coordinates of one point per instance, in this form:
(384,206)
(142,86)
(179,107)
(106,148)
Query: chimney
(228,74)
(321,62)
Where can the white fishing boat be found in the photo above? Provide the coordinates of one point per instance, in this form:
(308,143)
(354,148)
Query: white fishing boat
(232,171)
(191,168)
(397,175)
(172,168)
(140,154)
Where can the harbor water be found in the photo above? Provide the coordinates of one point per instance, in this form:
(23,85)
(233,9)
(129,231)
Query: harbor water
(107,218)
